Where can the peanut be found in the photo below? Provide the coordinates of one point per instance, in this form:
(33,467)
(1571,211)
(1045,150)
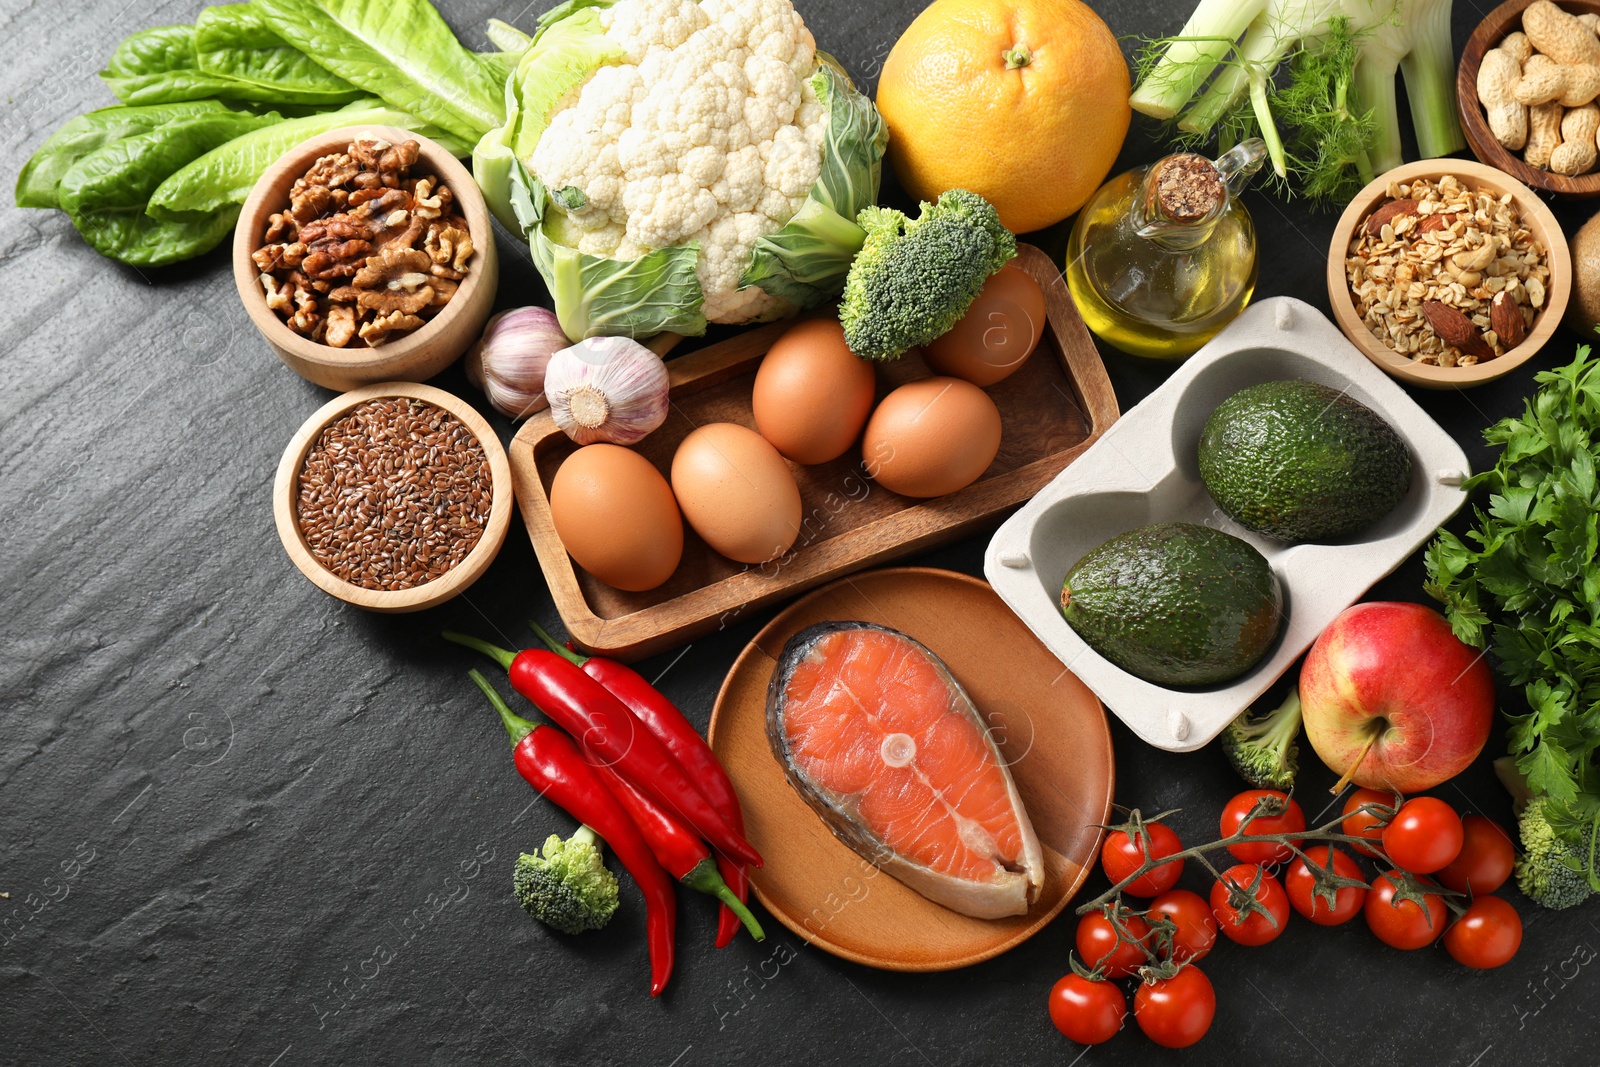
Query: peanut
(1516,46)
(1582,85)
(1508,119)
(1576,153)
(1543,80)
(1559,35)
(1544,134)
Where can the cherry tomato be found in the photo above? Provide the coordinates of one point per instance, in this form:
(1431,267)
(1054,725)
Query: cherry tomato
(1403,923)
(1176,1012)
(1233,816)
(1087,1011)
(1196,927)
(1253,928)
(1097,944)
(1300,883)
(1488,935)
(1360,825)
(1123,853)
(1485,860)
(1424,835)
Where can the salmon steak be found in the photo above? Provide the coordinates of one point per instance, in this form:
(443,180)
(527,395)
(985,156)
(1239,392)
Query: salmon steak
(881,740)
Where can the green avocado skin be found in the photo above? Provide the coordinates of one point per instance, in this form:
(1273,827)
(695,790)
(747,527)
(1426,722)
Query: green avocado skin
(1300,461)
(1176,603)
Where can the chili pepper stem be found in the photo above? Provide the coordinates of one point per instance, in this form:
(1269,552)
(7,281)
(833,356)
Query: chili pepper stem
(516,726)
(494,652)
(703,876)
(556,647)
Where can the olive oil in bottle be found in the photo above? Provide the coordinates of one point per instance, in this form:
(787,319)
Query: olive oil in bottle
(1162,257)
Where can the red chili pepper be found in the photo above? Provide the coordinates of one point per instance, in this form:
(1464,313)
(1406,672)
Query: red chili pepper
(551,763)
(605,728)
(676,847)
(663,719)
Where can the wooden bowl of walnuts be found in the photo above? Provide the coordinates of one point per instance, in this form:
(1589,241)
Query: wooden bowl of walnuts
(366,254)
(1448,273)
(1528,92)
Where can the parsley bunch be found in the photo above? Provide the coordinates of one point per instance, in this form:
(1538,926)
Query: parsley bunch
(1525,580)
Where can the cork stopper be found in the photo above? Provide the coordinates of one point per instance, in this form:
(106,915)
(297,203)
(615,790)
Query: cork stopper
(1188,188)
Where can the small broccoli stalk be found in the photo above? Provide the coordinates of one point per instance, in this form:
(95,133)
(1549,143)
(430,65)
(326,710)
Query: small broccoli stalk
(1263,749)
(569,886)
(915,278)
(1557,868)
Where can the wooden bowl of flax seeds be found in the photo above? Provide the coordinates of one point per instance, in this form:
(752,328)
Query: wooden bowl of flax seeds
(393,497)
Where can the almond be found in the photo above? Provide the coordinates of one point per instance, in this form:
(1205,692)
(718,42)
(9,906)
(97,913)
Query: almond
(1437,221)
(1505,315)
(1456,329)
(1388,212)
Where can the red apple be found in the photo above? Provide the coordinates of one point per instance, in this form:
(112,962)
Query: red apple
(1392,700)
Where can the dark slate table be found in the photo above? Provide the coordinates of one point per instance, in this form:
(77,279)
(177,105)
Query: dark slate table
(244,823)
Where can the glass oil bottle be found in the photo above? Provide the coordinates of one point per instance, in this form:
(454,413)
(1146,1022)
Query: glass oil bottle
(1163,257)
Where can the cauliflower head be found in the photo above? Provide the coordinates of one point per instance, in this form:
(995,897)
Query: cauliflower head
(657,125)
(708,131)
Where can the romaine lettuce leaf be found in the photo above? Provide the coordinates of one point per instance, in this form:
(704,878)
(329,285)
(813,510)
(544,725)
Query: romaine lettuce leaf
(398,50)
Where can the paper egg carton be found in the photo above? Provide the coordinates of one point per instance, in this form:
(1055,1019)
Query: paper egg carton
(1145,470)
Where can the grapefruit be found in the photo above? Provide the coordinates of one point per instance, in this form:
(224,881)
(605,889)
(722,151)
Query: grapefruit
(1024,102)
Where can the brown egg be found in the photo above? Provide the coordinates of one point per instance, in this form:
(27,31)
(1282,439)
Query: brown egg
(615,515)
(997,334)
(931,437)
(812,394)
(737,492)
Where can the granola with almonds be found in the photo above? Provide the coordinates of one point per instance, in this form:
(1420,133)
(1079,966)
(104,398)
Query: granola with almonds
(1425,269)
(366,252)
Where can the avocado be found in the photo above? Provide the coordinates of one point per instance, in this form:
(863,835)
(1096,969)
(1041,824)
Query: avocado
(1175,603)
(1299,461)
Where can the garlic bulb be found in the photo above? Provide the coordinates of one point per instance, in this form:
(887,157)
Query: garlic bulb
(508,362)
(607,389)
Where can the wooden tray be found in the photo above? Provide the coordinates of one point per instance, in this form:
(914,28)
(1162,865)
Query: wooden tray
(1052,409)
(1051,731)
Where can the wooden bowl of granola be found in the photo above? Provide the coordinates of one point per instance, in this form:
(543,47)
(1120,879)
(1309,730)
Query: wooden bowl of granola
(394,497)
(1414,284)
(384,288)
(1494,29)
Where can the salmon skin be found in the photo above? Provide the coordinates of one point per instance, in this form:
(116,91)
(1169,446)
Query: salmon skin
(884,744)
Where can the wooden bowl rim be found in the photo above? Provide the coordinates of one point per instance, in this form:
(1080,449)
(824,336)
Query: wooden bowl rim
(1534,212)
(447,585)
(1488,34)
(259,204)
(753,647)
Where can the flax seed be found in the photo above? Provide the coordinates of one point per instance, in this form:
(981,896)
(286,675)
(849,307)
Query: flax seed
(372,483)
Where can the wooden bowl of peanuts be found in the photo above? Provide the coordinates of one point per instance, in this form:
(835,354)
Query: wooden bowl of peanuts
(1448,273)
(366,265)
(393,497)
(1528,92)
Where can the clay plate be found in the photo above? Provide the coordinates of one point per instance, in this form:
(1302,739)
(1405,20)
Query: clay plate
(1050,728)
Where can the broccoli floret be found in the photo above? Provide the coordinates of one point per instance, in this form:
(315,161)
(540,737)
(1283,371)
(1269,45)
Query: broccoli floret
(1263,750)
(1553,868)
(914,278)
(568,887)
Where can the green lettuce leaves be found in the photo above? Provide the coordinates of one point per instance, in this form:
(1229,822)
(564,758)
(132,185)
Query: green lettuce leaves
(162,178)
(400,51)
